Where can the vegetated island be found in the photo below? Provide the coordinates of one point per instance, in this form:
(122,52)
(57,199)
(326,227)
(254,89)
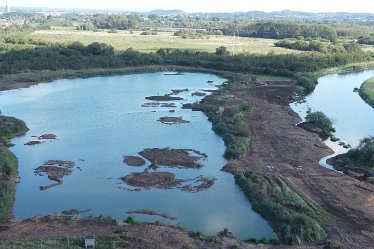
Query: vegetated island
(367,91)
(318,122)
(167,180)
(134,161)
(9,127)
(172,120)
(357,162)
(184,158)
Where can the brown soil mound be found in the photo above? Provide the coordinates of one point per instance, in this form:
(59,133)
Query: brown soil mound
(163,98)
(162,180)
(198,94)
(55,170)
(74,212)
(151,212)
(33,142)
(134,161)
(158,104)
(174,157)
(178,91)
(47,136)
(167,180)
(172,120)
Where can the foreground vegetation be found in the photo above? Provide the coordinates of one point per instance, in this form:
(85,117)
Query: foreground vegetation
(101,242)
(318,122)
(9,127)
(227,114)
(360,157)
(294,217)
(367,91)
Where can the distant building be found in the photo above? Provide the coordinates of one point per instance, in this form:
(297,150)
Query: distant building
(7,8)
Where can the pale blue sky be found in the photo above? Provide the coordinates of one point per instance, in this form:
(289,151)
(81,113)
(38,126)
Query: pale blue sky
(206,5)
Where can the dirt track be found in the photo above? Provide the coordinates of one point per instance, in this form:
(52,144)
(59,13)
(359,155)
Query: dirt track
(279,146)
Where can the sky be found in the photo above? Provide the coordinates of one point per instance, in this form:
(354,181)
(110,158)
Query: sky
(205,5)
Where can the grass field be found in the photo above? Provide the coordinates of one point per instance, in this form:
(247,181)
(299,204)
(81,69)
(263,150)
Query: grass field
(367,91)
(151,43)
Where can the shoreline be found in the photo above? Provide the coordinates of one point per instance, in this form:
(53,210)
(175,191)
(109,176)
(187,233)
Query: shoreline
(25,80)
(363,92)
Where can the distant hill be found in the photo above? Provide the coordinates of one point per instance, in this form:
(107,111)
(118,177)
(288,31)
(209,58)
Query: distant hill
(161,12)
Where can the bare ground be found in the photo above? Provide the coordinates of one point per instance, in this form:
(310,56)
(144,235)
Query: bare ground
(278,146)
(141,235)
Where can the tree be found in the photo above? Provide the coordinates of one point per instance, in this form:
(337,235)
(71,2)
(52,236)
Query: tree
(320,120)
(222,51)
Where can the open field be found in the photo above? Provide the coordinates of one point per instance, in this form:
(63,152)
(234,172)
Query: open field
(151,43)
(367,91)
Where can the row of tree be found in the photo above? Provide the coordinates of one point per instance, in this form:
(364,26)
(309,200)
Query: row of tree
(284,29)
(99,55)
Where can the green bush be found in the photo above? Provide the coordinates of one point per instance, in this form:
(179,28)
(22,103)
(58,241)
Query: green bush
(130,220)
(293,216)
(320,121)
(10,127)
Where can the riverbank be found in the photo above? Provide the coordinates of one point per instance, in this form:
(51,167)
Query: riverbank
(9,127)
(280,148)
(367,91)
(27,79)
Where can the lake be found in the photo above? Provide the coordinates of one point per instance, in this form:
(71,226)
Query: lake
(99,120)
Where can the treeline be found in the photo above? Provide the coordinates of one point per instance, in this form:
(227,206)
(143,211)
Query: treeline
(362,156)
(103,21)
(98,55)
(318,45)
(294,217)
(285,29)
(368,40)
(194,34)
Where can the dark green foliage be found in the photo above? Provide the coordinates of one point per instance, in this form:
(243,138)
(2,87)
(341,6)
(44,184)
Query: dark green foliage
(7,191)
(8,164)
(303,45)
(197,235)
(130,220)
(368,40)
(10,127)
(99,49)
(97,55)
(306,81)
(287,29)
(362,156)
(222,51)
(233,130)
(319,123)
(294,217)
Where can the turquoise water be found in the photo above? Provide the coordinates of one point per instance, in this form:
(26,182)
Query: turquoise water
(352,118)
(101,119)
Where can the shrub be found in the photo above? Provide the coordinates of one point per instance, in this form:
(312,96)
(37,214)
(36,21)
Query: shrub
(130,220)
